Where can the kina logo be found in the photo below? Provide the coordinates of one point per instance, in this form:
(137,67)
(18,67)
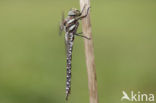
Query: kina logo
(137,96)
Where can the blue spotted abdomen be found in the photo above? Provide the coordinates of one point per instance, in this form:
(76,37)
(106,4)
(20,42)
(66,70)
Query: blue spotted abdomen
(70,28)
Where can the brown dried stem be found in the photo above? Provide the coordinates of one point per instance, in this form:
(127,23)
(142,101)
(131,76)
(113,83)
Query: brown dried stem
(89,53)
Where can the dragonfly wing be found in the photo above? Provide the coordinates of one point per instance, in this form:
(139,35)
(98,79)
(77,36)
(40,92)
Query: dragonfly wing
(61,27)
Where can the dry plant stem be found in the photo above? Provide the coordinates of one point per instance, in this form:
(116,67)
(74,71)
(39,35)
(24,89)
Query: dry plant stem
(89,53)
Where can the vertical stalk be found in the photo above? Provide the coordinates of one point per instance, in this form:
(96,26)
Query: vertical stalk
(89,53)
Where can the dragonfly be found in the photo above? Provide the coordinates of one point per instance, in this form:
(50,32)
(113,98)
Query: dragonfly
(70,25)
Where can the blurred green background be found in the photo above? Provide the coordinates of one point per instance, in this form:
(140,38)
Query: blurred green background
(32,55)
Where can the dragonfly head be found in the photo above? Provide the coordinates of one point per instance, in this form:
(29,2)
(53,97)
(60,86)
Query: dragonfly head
(74,12)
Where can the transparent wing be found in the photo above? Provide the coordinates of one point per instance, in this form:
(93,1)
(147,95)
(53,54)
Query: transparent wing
(61,27)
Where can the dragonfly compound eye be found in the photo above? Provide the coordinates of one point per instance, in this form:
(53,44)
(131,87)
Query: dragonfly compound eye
(78,13)
(71,13)
(74,12)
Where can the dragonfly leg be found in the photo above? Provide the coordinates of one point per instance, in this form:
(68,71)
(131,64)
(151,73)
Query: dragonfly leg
(83,8)
(81,17)
(79,34)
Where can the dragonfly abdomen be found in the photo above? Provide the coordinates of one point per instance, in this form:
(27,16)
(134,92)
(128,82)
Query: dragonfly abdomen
(70,38)
(71,28)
